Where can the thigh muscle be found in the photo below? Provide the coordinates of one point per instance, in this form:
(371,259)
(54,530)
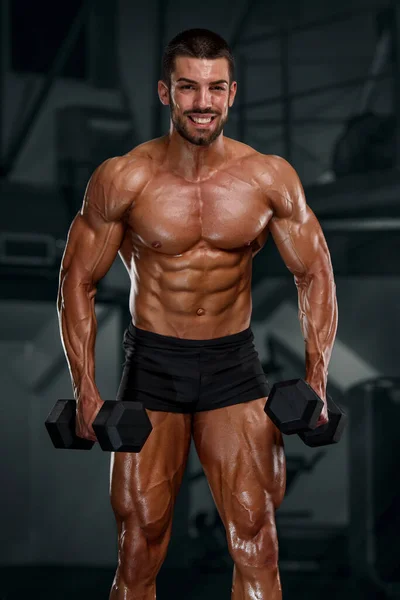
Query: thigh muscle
(243,457)
(144,485)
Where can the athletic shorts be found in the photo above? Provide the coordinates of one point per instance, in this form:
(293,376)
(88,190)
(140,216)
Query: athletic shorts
(182,375)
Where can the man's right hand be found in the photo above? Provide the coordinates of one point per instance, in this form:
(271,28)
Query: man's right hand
(86,412)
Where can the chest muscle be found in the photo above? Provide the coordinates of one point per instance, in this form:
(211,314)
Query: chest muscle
(173,215)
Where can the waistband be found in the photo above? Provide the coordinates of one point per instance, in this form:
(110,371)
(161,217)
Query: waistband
(149,338)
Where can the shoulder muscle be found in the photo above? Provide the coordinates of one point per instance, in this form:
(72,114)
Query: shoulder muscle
(113,187)
(279,181)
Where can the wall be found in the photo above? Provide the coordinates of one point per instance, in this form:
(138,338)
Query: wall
(56,507)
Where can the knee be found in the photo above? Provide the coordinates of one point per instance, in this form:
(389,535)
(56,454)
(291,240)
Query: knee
(139,532)
(254,543)
(142,541)
(145,516)
(141,551)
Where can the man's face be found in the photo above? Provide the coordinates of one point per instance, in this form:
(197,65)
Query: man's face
(199,98)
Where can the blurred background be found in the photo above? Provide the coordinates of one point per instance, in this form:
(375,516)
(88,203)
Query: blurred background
(318,83)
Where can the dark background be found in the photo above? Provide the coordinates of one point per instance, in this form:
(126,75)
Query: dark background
(318,83)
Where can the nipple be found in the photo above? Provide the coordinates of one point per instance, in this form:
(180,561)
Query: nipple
(156,244)
(248,243)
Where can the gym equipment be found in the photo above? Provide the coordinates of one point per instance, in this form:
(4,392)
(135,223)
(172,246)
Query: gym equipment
(121,426)
(60,425)
(367,143)
(374,483)
(294,407)
(331,432)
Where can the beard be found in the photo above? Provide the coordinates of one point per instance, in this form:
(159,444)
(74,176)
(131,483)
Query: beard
(201,137)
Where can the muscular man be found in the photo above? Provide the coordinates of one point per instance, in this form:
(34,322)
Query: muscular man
(186,213)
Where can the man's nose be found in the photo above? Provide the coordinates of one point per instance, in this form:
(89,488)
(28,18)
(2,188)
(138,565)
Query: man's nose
(203,98)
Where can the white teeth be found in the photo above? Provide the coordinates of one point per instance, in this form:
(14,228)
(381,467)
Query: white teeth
(197,120)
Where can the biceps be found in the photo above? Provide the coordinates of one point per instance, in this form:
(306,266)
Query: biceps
(301,244)
(91,249)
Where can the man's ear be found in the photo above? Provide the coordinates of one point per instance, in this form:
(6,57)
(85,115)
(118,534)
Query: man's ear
(232,93)
(163,93)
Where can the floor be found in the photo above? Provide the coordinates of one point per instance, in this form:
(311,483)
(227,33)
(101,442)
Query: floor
(58,583)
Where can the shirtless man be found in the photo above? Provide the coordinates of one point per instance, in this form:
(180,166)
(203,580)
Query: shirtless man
(186,213)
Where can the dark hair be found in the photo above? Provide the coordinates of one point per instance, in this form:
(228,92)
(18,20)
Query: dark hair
(197,43)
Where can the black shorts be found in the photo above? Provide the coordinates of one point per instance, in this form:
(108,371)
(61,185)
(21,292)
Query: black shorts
(185,376)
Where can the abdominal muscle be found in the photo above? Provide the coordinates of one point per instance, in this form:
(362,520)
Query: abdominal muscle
(203,293)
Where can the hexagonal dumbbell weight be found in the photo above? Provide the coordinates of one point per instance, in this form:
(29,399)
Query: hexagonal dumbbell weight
(60,425)
(121,426)
(293,406)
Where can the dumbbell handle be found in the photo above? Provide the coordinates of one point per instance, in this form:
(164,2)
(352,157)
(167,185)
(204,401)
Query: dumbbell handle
(329,433)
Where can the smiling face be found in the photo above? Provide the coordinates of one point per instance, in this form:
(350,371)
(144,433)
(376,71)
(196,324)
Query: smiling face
(199,98)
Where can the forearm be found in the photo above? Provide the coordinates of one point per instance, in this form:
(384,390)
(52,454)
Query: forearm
(78,327)
(318,316)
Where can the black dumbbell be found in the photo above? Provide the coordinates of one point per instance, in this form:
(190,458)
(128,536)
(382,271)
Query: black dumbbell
(122,426)
(294,407)
(331,432)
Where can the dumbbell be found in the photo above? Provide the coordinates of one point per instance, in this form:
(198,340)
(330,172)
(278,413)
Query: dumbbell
(120,426)
(331,432)
(294,407)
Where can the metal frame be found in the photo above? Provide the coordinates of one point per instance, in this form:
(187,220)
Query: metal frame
(308,26)
(19,137)
(396,64)
(161,26)
(3,62)
(286,98)
(315,91)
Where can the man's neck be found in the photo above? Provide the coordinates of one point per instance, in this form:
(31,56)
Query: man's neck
(193,162)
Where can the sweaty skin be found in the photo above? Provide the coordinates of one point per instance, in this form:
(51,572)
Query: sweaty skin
(187,221)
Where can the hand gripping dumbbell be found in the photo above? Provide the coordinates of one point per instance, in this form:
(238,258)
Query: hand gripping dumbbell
(294,407)
(121,426)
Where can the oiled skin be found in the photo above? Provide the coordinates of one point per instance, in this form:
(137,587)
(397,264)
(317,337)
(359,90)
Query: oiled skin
(190,252)
(188,245)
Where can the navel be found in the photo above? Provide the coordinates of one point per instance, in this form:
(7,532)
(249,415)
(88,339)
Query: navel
(200,311)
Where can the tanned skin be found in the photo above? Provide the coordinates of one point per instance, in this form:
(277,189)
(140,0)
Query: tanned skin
(187,213)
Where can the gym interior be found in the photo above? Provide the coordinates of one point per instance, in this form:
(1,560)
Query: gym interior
(319,84)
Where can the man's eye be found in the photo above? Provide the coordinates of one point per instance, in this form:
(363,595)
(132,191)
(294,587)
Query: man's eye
(191,87)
